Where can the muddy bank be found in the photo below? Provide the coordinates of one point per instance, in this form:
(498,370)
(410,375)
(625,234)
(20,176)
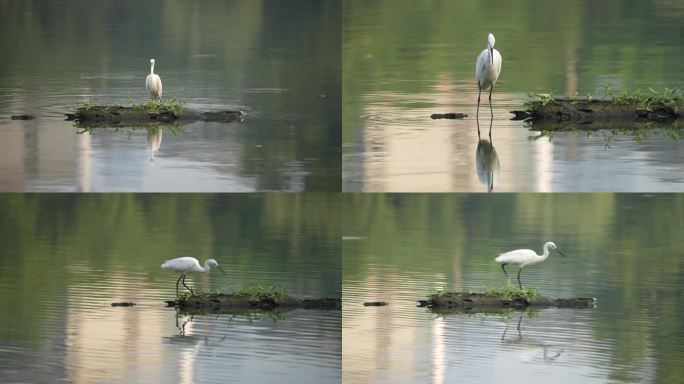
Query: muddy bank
(585,110)
(474,301)
(121,114)
(219,301)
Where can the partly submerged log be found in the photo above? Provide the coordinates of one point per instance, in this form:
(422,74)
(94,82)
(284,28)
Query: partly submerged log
(585,110)
(375,303)
(474,301)
(22,117)
(450,115)
(124,304)
(219,301)
(121,114)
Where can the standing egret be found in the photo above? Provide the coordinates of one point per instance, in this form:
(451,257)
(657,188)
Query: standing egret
(524,257)
(153,83)
(184,265)
(487,70)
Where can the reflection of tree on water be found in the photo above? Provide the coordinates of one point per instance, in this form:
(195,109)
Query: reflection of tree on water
(549,353)
(486,159)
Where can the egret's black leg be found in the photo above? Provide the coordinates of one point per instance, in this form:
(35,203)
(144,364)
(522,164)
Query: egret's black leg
(491,122)
(189,289)
(477,115)
(177,282)
(520,270)
(504,269)
(490,100)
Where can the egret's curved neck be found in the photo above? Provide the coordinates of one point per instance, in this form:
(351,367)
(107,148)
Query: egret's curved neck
(206,267)
(546,252)
(152,69)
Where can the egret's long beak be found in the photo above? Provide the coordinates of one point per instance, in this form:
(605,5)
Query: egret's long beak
(491,54)
(561,253)
(221,269)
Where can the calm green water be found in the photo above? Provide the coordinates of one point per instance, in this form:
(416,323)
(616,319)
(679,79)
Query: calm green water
(624,249)
(404,60)
(257,56)
(66,258)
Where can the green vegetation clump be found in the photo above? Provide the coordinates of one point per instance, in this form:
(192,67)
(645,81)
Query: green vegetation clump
(172,105)
(670,97)
(510,291)
(437,293)
(260,293)
(82,107)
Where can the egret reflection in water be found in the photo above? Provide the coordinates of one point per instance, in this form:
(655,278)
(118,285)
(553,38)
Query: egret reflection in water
(548,353)
(154,139)
(486,159)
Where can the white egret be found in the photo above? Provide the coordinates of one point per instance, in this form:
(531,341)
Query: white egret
(524,257)
(487,70)
(153,83)
(186,264)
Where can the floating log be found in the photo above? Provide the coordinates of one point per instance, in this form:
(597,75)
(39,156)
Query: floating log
(121,114)
(375,303)
(217,301)
(474,301)
(23,117)
(588,109)
(450,115)
(123,304)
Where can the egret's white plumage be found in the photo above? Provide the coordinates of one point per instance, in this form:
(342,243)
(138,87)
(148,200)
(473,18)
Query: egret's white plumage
(524,257)
(487,70)
(187,264)
(153,83)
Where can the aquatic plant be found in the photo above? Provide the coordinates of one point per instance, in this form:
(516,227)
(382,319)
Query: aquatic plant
(172,105)
(669,97)
(82,107)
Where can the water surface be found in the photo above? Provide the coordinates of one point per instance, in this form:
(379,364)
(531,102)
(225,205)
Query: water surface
(259,57)
(404,61)
(66,258)
(623,249)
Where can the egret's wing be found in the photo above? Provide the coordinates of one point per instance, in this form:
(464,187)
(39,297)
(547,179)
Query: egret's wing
(159,84)
(517,256)
(481,65)
(148,83)
(497,62)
